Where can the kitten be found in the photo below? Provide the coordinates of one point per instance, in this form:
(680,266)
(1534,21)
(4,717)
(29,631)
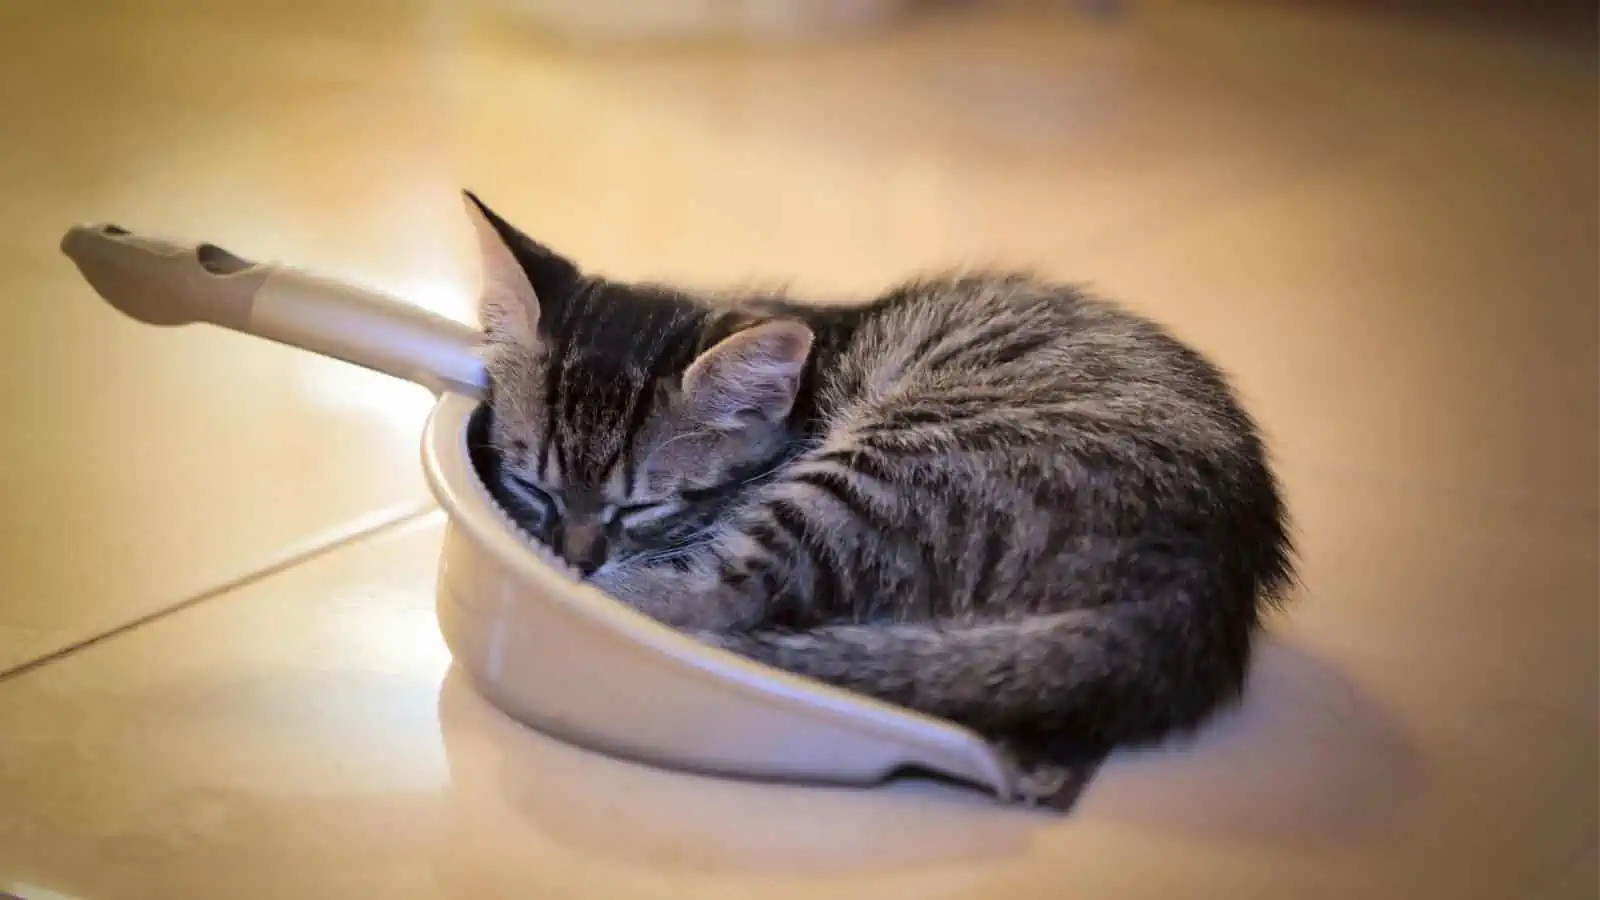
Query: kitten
(987,498)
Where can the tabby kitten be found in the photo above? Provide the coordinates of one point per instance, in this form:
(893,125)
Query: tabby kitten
(987,498)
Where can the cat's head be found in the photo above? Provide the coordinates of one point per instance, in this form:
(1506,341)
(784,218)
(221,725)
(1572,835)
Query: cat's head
(623,413)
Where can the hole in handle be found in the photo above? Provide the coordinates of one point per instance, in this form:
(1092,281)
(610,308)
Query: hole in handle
(218,261)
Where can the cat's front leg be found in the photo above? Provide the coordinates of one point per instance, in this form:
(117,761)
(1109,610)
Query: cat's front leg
(663,593)
(721,589)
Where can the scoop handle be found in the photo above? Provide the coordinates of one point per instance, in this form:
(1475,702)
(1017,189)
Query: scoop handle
(162,282)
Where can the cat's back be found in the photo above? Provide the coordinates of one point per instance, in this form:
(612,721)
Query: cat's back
(1045,342)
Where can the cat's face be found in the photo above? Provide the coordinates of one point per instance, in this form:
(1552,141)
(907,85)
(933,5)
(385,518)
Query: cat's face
(619,433)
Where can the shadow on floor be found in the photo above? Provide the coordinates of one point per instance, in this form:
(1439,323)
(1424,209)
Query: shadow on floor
(1305,758)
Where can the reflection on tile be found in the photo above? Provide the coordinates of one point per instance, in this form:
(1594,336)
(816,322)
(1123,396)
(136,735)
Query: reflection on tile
(303,737)
(142,466)
(205,734)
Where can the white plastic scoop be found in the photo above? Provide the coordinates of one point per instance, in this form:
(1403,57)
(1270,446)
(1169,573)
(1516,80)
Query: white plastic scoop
(546,648)
(160,282)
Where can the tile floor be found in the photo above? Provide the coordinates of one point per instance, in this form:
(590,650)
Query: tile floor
(222,673)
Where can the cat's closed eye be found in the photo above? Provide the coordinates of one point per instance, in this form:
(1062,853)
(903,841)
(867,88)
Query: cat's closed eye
(642,515)
(535,504)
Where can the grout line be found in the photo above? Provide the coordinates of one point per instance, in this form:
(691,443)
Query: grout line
(364,527)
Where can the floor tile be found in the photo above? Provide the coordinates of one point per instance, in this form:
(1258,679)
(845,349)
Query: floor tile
(962,140)
(1395,63)
(140,466)
(1417,725)
(1384,228)
(1426,312)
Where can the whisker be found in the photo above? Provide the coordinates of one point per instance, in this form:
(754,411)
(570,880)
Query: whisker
(698,432)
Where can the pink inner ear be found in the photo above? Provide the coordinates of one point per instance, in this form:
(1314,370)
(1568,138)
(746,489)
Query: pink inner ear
(507,303)
(755,371)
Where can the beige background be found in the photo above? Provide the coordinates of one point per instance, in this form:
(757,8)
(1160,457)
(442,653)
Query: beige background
(215,607)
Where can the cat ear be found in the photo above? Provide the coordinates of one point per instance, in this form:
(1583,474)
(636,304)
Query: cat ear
(520,276)
(753,374)
(507,304)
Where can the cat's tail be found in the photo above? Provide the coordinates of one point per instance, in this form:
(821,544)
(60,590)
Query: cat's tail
(1074,684)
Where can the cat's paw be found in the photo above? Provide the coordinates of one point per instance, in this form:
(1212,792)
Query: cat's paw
(669,595)
(1050,786)
(633,585)
(1056,786)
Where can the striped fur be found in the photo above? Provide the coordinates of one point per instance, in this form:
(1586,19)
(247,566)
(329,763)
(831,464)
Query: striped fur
(986,497)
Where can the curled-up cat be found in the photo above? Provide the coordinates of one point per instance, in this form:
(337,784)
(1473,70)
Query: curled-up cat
(986,498)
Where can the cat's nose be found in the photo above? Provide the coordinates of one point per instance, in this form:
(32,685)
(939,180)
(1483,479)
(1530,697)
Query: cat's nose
(583,545)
